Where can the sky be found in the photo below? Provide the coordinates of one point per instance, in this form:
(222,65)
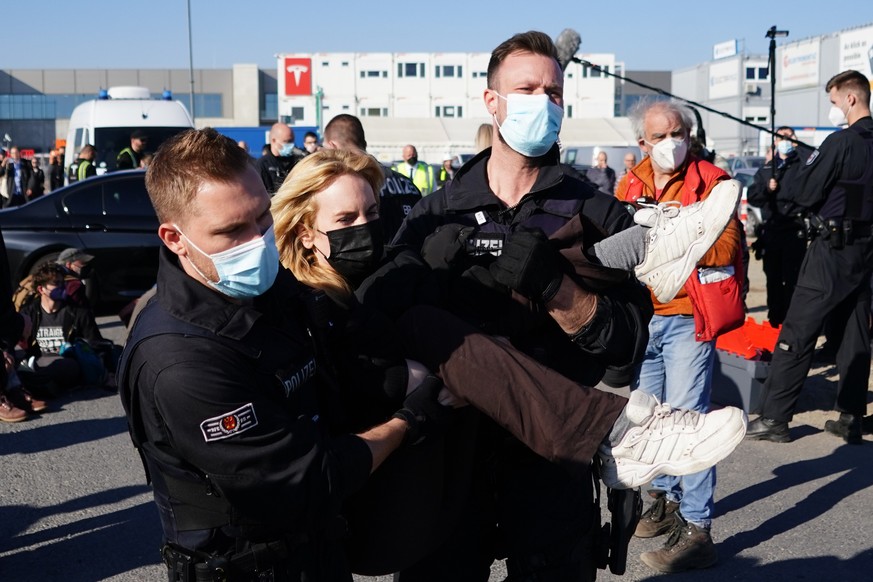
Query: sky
(646,35)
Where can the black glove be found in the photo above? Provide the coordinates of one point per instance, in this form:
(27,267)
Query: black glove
(441,248)
(479,275)
(423,412)
(530,265)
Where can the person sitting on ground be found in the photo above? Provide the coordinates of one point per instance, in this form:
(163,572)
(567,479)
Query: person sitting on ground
(75,264)
(55,325)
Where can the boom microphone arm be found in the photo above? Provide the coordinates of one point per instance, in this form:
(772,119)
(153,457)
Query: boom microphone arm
(567,44)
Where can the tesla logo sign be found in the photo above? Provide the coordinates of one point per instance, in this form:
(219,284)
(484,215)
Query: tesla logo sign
(298,76)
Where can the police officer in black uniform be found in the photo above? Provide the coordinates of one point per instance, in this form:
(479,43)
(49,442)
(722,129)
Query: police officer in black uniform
(781,239)
(481,228)
(398,194)
(279,158)
(836,187)
(225,396)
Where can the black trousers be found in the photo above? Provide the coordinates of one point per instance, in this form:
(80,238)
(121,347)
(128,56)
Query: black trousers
(783,256)
(832,284)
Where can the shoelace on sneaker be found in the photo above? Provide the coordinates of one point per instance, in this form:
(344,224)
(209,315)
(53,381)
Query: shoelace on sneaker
(665,417)
(664,211)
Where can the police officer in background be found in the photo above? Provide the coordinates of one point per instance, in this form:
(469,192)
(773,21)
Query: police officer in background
(398,194)
(278,160)
(129,158)
(84,166)
(836,187)
(420,173)
(781,242)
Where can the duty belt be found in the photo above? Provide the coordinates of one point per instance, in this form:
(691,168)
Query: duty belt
(255,563)
(838,232)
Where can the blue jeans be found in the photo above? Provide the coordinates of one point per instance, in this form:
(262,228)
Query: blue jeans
(678,369)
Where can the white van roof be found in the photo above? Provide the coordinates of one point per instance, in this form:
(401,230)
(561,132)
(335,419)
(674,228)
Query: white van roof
(130,112)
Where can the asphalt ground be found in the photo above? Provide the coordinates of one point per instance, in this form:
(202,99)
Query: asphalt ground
(74,506)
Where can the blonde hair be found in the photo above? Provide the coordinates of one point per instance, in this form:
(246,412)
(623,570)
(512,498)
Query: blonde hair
(484,137)
(294,208)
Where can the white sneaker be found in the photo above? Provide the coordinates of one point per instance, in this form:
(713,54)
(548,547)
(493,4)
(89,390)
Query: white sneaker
(679,236)
(665,441)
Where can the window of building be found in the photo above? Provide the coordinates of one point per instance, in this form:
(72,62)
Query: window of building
(28,107)
(270,106)
(750,73)
(410,70)
(345,107)
(344,64)
(374,74)
(325,63)
(374,112)
(480,74)
(449,111)
(296,115)
(569,110)
(763,73)
(448,71)
(207,104)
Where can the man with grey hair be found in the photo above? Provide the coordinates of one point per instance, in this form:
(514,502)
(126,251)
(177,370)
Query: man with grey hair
(677,368)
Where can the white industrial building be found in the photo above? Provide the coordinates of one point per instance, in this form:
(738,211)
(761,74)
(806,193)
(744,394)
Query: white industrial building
(433,100)
(739,84)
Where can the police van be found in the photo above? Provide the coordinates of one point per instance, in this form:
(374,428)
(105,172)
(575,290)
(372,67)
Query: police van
(107,122)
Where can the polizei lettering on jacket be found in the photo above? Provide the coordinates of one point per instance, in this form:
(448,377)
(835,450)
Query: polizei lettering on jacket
(485,243)
(292,380)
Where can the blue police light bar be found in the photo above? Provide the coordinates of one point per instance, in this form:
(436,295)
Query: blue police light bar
(103,94)
(167,95)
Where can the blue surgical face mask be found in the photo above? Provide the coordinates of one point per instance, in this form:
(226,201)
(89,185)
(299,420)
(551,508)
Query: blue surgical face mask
(287,150)
(58,294)
(246,270)
(785,147)
(532,123)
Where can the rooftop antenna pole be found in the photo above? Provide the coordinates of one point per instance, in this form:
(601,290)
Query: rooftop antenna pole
(772,34)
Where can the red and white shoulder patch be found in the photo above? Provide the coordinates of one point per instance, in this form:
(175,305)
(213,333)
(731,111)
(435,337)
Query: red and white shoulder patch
(229,424)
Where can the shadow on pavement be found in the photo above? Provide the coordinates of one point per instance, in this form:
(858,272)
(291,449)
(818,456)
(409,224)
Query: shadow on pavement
(58,436)
(91,548)
(851,470)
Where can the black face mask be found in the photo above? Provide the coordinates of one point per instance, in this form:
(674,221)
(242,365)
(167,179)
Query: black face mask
(412,161)
(356,251)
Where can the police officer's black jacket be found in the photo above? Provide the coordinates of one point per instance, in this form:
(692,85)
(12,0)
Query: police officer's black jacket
(835,172)
(274,169)
(778,208)
(228,415)
(396,199)
(618,335)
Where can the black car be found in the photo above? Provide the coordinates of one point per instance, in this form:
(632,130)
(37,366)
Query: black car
(109,217)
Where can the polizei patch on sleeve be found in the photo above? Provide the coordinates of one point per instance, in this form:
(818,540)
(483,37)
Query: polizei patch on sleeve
(229,424)
(812,158)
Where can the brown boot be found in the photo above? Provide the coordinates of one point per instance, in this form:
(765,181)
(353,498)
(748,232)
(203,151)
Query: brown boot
(659,518)
(8,411)
(688,547)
